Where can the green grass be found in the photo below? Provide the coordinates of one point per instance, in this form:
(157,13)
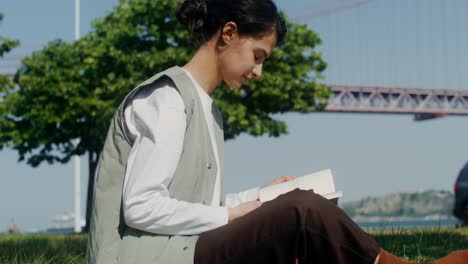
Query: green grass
(415,245)
(421,245)
(42,249)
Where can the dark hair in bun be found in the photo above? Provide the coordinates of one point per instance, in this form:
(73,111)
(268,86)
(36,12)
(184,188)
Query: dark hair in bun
(255,18)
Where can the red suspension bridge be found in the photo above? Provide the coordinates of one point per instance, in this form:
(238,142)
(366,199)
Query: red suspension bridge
(421,102)
(397,101)
(400,16)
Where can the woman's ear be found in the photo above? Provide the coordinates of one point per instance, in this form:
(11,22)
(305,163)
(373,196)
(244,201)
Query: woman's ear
(228,33)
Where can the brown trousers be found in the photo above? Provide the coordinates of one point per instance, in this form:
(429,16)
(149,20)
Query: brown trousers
(298,225)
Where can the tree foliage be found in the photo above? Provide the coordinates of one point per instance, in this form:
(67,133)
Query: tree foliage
(6,45)
(68,92)
(6,86)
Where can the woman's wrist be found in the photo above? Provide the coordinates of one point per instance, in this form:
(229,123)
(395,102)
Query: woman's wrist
(230,214)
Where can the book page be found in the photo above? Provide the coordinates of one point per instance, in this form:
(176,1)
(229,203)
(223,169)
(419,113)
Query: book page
(321,182)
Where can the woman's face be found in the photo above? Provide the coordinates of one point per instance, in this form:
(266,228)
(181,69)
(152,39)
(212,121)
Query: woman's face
(242,58)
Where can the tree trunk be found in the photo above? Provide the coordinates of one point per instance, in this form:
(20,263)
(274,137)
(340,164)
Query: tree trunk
(92,162)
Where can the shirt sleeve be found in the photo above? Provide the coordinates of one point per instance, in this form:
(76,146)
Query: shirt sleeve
(234,199)
(156,122)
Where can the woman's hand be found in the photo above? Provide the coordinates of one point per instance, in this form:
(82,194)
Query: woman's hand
(243,209)
(247,207)
(279,180)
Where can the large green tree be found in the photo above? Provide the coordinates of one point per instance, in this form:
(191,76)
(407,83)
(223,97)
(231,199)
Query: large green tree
(69,91)
(6,45)
(6,86)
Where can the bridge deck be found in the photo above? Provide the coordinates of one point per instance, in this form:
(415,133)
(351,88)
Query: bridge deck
(397,100)
(362,99)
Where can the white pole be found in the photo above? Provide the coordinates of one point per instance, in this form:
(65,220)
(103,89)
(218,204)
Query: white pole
(77,158)
(77,19)
(77,195)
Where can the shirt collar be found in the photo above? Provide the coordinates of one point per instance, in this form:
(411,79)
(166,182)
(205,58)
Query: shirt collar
(201,91)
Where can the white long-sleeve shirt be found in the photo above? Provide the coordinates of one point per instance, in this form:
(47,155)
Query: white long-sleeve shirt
(156,123)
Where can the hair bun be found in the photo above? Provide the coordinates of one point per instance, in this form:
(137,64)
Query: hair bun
(190,12)
(204,18)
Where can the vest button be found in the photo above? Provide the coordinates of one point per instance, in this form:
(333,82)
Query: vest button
(185,248)
(208,165)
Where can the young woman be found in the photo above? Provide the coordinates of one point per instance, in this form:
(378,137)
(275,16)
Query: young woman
(159,194)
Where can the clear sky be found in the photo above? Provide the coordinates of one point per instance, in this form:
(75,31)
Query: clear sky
(402,43)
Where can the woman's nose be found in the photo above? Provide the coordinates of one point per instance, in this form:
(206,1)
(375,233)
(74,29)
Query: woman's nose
(257,70)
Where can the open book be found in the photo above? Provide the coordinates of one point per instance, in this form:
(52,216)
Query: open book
(321,182)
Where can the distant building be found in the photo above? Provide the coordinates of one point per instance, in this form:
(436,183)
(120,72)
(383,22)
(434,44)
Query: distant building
(63,224)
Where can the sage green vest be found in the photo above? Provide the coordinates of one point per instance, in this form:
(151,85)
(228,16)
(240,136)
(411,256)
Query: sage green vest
(110,240)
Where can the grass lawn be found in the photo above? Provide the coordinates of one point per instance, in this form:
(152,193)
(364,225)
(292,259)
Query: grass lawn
(41,249)
(420,245)
(415,245)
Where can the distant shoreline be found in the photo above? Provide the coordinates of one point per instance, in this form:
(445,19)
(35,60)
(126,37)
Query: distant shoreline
(405,222)
(371,219)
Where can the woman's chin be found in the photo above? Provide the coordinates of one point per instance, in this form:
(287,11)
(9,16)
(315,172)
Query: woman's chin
(234,84)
